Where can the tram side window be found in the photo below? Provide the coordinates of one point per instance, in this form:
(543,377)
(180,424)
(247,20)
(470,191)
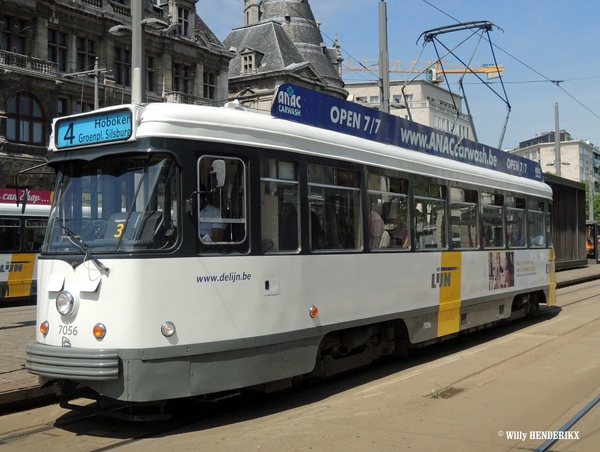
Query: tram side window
(515,221)
(463,218)
(535,223)
(429,214)
(10,234)
(34,233)
(335,213)
(280,213)
(492,210)
(222,210)
(388,215)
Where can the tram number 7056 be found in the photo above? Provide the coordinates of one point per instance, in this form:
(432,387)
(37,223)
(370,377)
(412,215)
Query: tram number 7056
(67,330)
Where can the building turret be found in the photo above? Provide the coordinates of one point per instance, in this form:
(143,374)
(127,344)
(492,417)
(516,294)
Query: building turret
(251,12)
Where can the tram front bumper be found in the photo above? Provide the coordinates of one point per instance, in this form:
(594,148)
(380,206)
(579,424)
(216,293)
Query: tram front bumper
(78,364)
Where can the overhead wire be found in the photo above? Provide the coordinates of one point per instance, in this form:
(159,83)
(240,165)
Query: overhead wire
(554,82)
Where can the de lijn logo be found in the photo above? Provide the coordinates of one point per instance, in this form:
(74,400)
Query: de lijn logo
(442,277)
(289,102)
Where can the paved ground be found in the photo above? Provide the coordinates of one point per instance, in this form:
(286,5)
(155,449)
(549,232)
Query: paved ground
(17,328)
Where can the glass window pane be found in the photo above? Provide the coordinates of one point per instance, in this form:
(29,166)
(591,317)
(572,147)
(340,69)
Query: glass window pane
(12,105)
(280,214)
(430,219)
(335,222)
(37,111)
(24,131)
(11,129)
(515,224)
(24,105)
(388,225)
(535,229)
(37,133)
(10,234)
(491,219)
(222,211)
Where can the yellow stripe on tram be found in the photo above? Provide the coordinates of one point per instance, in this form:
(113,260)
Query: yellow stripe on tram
(449,284)
(552,264)
(21,275)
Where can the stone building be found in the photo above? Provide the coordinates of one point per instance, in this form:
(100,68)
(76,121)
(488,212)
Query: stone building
(428,104)
(579,159)
(280,42)
(48,52)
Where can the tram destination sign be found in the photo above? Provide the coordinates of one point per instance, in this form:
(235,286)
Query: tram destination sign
(299,104)
(93,128)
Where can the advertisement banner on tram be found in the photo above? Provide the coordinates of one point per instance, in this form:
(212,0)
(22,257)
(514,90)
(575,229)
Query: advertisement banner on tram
(299,104)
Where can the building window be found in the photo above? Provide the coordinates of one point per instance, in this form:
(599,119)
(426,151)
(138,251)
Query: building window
(210,85)
(248,64)
(122,66)
(184,22)
(57,49)
(150,74)
(25,120)
(61,107)
(361,99)
(374,99)
(182,78)
(84,107)
(86,54)
(13,34)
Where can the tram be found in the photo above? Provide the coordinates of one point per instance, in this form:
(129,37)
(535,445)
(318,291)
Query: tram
(21,237)
(195,251)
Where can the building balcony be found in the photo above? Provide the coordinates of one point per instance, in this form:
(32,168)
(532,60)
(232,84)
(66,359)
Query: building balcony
(183,98)
(23,63)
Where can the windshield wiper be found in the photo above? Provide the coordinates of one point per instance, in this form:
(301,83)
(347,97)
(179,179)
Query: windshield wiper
(84,248)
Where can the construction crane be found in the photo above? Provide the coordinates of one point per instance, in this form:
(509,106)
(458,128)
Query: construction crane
(433,70)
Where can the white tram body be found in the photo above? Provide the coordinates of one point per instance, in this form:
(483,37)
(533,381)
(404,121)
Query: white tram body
(189,316)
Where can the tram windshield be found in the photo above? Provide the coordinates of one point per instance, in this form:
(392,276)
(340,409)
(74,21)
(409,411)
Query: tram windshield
(115,204)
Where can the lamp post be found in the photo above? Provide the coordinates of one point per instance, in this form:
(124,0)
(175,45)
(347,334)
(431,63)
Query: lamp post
(138,23)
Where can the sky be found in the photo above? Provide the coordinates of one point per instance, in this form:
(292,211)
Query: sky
(549,49)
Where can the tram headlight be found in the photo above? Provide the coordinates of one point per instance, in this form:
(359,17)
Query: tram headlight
(167,329)
(65,303)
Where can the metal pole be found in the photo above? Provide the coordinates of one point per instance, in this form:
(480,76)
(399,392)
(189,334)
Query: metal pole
(137,7)
(556,141)
(592,196)
(96,76)
(384,59)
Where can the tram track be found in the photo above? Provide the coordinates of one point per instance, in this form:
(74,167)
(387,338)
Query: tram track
(546,313)
(98,433)
(110,434)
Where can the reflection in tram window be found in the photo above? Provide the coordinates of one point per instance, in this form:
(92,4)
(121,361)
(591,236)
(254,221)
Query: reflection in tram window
(388,215)
(334,202)
(463,218)
(228,202)
(492,206)
(280,214)
(429,213)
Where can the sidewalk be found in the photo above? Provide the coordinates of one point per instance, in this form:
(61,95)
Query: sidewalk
(566,278)
(17,328)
